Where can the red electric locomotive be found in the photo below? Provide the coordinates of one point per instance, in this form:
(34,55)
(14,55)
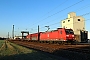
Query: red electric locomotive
(61,34)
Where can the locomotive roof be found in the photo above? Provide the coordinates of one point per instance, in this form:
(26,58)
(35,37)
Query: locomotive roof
(36,33)
(48,31)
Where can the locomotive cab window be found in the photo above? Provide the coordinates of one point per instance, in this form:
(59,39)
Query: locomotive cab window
(69,31)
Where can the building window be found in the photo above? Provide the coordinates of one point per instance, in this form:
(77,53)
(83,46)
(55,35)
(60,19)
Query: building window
(68,20)
(63,21)
(78,19)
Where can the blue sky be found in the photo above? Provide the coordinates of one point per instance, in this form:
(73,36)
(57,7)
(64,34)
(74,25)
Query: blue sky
(28,14)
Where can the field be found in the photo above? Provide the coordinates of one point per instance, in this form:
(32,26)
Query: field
(1,42)
(80,51)
(11,51)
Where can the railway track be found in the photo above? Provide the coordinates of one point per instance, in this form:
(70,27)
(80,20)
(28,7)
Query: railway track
(52,47)
(82,51)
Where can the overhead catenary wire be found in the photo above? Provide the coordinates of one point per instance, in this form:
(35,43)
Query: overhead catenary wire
(58,12)
(53,9)
(71,23)
(64,15)
(84,7)
(76,22)
(56,7)
(59,22)
(66,24)
(77,10)
(65,9)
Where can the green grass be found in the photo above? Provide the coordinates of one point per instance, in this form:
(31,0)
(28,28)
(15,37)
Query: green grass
(11,51)
(1,42)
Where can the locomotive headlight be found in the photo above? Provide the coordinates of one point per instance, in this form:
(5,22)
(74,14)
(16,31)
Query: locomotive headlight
(72,35)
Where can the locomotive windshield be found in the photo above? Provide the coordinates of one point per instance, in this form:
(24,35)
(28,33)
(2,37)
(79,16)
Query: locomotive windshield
(69,31)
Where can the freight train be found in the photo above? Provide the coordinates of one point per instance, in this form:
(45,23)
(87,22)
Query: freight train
(59,35)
